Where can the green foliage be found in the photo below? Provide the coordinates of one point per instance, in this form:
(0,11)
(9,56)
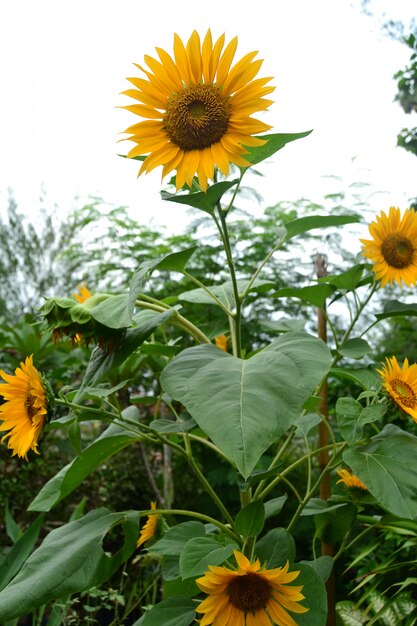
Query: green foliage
(77,544)
(204,377)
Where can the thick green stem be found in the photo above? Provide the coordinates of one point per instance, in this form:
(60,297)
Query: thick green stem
(333,461)
(201,516)
(177,320)
(203,480)
(235,319)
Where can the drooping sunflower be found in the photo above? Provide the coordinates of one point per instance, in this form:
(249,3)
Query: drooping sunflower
(25,411)
(401,384)
(393,247)
(251,595)
(350,480)
(149,529)
(197,109)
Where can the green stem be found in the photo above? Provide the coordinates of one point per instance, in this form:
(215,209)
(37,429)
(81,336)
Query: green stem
(260,268)
(207,290)
(205,518)
(274,461)
(347,546)
(261,495)
(203,480)
(177,320)
(224,234)
(333,461)
(210,445)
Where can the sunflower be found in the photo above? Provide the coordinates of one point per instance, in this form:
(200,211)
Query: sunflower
(25,411)
(350,480)
(401,384)
(82,295)
(221,342)
(393,249)
(251,595)
(149,529)
(197,109)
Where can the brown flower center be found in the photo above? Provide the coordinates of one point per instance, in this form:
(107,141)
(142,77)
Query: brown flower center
(397,251)
(197,117)
(249,592)
(31,410)
(405,393)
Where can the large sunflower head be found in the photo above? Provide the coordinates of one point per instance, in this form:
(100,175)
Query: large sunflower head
(197,109)
(25,410)
(401,384)
(393,247)
(250,595)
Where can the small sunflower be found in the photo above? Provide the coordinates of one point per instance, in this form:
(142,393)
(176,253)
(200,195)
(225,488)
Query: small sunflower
(197,109)
(350,480)
(25,411)
(393,247)
(221,342)
(401,384)
(83,293)
(149,529)
(251,595)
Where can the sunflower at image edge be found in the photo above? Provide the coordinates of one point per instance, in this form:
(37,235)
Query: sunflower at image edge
(393,247)
(197,109)
(25,411)
(401,384)
(150,527)
(251,595)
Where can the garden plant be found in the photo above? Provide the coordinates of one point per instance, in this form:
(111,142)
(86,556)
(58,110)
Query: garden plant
(298,456)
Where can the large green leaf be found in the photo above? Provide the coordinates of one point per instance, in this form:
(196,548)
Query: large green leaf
(346,281)
(367,379)
(315,594)
(200,552)
(394,308)
(386,467)
(304,224)
(250,520)
(174,540)
(11,563)
(175,261)
(111,441)
(275,141)
(204,201)
(315,294)
(355,348)
(245,405)
(69,560)
(223,292)
(276,548)
(352,416)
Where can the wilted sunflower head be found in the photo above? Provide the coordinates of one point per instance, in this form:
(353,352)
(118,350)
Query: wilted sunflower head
(81,318)
(393,247)
(401,384)
(28,403)
(250,595)
(197,109)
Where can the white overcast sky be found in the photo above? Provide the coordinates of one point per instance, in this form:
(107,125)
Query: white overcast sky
(64,65)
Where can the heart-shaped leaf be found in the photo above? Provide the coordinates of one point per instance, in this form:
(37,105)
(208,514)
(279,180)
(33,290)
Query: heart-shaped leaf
(246,405)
